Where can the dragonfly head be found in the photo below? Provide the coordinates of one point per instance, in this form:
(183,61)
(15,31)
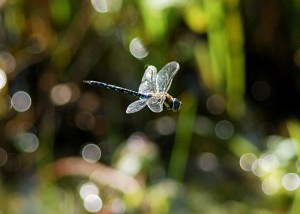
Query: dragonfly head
(176,105)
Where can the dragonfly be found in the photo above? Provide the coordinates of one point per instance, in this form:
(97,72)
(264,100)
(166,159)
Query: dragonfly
(152,90)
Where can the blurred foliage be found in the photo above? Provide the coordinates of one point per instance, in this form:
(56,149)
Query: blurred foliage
(66,147)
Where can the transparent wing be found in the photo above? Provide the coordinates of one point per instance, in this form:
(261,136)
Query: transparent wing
(136,106)
(155,104)
(148,84)
(165,76)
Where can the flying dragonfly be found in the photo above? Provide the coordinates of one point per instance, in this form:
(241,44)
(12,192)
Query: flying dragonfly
(152,90)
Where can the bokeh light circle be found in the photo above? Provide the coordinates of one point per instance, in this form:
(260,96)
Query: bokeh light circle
(270,186)
(61,94)
(100,6)
(93,203)
(3,79)
(286,149)
(269,162)
(207,161)
(165,125)
(91,153)
(247,160)
(85,120)
(216,104)
(28,142)
(137,49)
(7,61)
(261,90)
(88,188)
(21,101)
(3,157)
(257,168)
(117,206)
(224,129)
(129,164)
(290,181)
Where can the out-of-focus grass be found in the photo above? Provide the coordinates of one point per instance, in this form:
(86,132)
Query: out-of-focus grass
(183,138)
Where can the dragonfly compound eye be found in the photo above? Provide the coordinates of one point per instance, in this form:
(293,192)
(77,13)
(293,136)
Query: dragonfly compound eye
(176,105)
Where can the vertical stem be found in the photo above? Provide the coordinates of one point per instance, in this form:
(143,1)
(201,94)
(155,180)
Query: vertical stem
(183,138)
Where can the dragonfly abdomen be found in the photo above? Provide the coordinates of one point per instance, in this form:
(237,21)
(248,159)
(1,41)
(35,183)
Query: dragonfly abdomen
(117,88)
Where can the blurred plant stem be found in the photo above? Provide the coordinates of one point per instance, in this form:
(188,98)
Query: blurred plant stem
(294,131)
(226,51)
(183,138)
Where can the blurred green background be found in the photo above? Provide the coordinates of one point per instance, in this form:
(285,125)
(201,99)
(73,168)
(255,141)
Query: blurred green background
(67,147)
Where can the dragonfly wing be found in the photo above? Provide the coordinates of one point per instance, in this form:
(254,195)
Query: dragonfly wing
(148,84)
(155,104)
(136,106)
(165,76)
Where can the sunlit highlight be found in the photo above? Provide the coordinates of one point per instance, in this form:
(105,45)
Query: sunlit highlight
(208,162)
(247,160)
(21,101)
(91,153)
(88,188)
(270,186)
(162,4)
(28,142)
(137,49)
(290,181)
(224,129)
(100,5)
(216,104)
(137,149)
(129,164)
(93,203)
(286,149)
(268,162)
(61,94)
(3,79)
